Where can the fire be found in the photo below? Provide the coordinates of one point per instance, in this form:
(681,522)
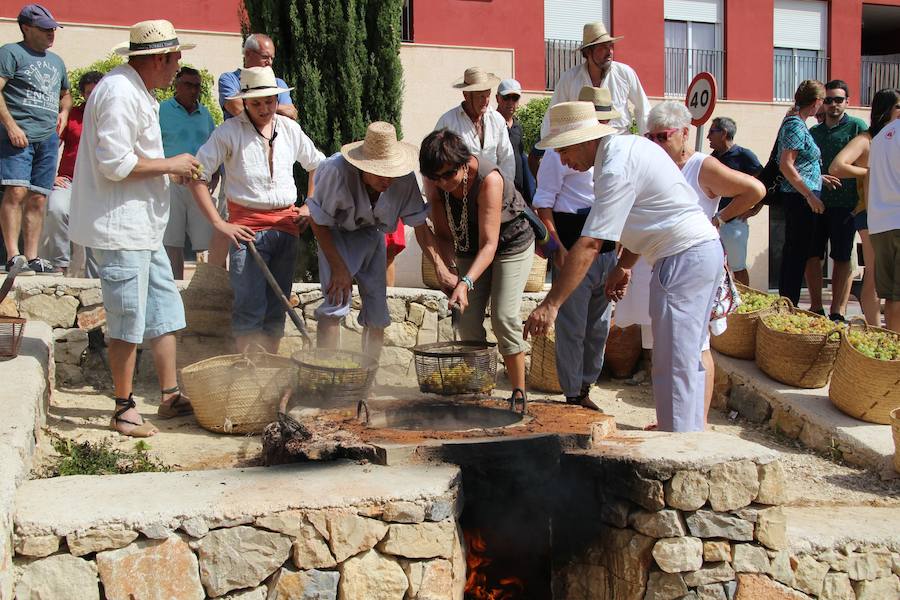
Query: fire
(478,580)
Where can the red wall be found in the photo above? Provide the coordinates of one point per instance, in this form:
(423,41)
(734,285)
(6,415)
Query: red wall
(749,39)
(517,24)
(205,15)
(643,48)
(844,43)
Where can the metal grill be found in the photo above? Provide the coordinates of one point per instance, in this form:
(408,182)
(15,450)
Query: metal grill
(333,378)
(456,368)
(11,329)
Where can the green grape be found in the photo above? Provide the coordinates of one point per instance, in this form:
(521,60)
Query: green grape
(880,345)
(331,363)
(798,323)
(753,301)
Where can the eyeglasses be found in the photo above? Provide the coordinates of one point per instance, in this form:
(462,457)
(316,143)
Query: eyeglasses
(661,136)
(445,175)
(715,130)
(834,100)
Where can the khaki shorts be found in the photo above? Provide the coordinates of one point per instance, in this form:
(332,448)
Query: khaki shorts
(887,264)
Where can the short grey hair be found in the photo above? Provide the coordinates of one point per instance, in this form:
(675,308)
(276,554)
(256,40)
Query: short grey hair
(727,125)
(670,114)
(254,40)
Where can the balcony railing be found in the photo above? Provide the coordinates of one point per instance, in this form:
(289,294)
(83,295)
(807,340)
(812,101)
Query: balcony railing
(560,56)
(876,75)
(406,22)
(683,64)
(791,70)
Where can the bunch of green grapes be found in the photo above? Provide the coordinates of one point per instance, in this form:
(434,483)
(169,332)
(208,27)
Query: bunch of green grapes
(458,379)
(798,323)
(753,301)
(881,345)
(331,363)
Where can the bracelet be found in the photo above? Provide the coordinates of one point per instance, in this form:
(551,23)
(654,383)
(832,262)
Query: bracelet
(468,281)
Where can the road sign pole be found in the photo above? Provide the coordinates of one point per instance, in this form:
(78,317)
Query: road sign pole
(698,143)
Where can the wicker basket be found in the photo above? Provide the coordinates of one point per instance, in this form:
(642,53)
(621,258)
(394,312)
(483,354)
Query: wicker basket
(865,388)
(11,329)
(456,368)
(623,350)
(429,273)
(542,375)
(207,301)
(238,393)
(803,360)
(739,338)
(895,430)
(333,379)
(538,275)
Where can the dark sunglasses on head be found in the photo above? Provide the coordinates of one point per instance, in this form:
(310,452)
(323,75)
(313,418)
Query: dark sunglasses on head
(660,136)
(443,176)
(834,99)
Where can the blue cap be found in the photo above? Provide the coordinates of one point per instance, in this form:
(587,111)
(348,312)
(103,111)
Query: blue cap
(37,16)
(509,86)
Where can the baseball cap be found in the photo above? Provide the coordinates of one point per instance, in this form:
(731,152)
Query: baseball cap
(509,86)
(37,16)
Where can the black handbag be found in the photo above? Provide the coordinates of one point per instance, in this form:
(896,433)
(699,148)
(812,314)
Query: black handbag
(771,176)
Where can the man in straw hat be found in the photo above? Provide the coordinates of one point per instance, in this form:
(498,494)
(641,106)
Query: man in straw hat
(120,207)
(481,127)
(563,200)
(600,70)
(643,201)
(361,192)
(258,148)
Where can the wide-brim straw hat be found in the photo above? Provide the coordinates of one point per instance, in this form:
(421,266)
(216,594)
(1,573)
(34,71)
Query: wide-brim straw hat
(573,123)
(381,153)
(152,37)
(476,79)
(596,33)
(602,101)
(258,82)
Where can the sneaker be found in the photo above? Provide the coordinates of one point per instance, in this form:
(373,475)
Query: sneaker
(41,266)
(837,318)
(24,270)
(817,311)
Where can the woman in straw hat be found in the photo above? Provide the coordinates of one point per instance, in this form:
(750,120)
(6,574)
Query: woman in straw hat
(361,194)
(258,148)
(643,201)
(478,222)
(563,200)
(481,128)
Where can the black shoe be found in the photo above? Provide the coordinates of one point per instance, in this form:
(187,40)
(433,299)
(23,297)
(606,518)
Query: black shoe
(41,266)
(837,318)
(24,269)
(818,311)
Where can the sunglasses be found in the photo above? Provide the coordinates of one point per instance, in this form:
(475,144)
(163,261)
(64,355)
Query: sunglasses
(834,100)
(449,173)
(715,130)
(660,136)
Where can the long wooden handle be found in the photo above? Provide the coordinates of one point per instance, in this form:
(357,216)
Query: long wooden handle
(273,284)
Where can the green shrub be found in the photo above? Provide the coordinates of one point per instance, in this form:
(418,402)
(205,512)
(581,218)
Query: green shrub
(530,117)
(100,458)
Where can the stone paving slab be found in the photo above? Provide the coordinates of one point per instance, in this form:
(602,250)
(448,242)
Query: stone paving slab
(818,528)
(67,504)
(862,443)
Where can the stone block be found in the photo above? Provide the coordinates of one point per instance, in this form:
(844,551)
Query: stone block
(423,540)
(665,586)
(837,587)
(396,360)
(258,593)
(751,586)
(397,309)
(91,296)
(749,558)
(680,554)
(771,528)
(772,488)
(646,492)
(709,524)
(349,534)
(624,554)
(309,310)
(69,375)
(8,307)
(371,576)
(780,567)
(711,591)
(868,566)
(687,490)
(288,522)
(37,546)
(732,485)
(428,329)
(402,334)
(98,540)
(416,314)
(716,551)
(69,345)
(721,389)
(710,573)
(91,318)
(615,512)
(151,569)
(751,405)
(878,589)
(310,550)
(665,523)
(428,579)
(53,310)
(196,527)
(60,577)
(443,508)
(403,512)
(786,422)
(240,557)
(810,575)
(304,585)
(311,296)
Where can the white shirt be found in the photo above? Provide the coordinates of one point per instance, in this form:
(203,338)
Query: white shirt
(884,180)
(561,188)
(643,200)
(121,125)
(623,85)
(244,153)
(497,147)
(691,171)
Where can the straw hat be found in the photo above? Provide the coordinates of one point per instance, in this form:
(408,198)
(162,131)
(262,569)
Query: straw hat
(602,101)
(595,33)
(381,153)
(476,79)
(573,123)
(257,82)
(152,37)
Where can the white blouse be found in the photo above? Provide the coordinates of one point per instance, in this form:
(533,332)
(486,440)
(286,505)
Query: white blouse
(497,148)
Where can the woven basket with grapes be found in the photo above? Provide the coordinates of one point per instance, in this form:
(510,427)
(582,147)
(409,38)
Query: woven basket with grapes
(456,368)
(333,378)
(739,339)
(797,347)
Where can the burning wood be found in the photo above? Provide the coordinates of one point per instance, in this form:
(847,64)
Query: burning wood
(481,583)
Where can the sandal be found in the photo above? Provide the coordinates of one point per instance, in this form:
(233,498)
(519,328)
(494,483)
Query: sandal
(514,400)
(179,407)
(140,430)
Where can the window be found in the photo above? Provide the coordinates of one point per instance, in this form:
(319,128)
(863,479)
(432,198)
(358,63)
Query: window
(564,21)
(693,38)
(800,44)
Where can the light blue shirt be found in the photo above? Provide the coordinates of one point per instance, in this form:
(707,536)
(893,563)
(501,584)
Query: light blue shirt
(230,84)
(182,131)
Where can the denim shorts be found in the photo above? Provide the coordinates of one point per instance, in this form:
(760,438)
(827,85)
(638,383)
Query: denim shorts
(735,234)
(256,307)
(139,294)
(32,167)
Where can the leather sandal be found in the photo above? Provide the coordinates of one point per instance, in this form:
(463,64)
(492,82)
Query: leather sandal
(140,430)
(179,407)
(514,399)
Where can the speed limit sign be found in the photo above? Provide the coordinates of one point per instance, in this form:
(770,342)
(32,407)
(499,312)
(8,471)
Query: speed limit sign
(701,98)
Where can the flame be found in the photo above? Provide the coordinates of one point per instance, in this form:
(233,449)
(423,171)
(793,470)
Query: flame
(478,584)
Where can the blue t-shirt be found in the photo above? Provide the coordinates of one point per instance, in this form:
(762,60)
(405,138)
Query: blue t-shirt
(230,84)
(182,131)
(795,135)
(740,159)
(34,81)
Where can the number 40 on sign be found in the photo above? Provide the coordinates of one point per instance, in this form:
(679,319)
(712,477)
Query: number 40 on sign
(701,101)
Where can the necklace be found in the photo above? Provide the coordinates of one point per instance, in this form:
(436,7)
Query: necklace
(461,231)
